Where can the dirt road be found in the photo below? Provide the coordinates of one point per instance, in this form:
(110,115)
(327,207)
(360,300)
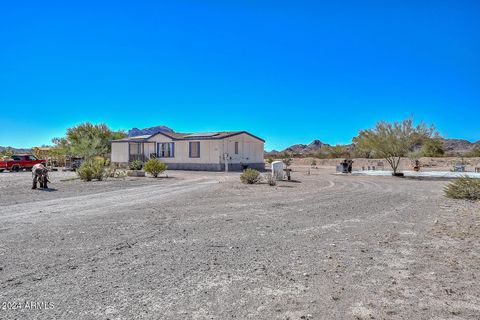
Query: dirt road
(204,246)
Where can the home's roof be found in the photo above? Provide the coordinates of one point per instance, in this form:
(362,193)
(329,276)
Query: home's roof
(189,136)
(136,138)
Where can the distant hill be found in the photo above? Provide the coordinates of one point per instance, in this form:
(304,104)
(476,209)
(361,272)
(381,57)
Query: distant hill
(152,130)
(16,150)
(460,146)
(314,146)
(451,146)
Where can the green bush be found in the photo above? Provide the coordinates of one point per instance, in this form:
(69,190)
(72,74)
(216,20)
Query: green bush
(464,188)
(98,167)
(432,148)
(155,167)
(93,169)
(135,165)
(85,171)
(474,153)
(250,176)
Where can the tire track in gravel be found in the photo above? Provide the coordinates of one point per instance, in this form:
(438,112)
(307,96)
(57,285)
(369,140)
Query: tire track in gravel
(97,204)
(65,208)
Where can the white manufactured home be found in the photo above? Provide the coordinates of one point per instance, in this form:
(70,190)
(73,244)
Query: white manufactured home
(212,151)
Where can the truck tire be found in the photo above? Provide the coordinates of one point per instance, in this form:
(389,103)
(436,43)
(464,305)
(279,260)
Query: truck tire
(15,168)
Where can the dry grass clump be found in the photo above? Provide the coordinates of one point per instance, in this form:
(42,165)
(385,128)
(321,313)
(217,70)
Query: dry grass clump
(464,188)
(270,178)
(250,176)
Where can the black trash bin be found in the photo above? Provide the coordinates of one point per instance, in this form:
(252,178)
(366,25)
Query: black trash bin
(347,165)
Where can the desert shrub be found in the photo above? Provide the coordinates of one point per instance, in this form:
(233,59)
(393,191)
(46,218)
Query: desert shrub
(98,167)
(270,178)
(464,188)
(113,172)
(286,158)
(337,151)
(155,167)
(287,162)
(85,171)
(250,176)
(313,163)
(474,153)
(90,170)
(135,165)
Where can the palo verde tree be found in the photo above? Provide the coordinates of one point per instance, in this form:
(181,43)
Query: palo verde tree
(8,152)
(433,148)
(392,141)
(88,140)
(337,151)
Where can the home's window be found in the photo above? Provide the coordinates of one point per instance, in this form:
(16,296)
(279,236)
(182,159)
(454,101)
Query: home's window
(166,150)
(194,149)
(236,147)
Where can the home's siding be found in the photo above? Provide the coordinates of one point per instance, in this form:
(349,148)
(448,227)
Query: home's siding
(209,151)
(119,152)
(250,153)
(149,148)
(250,150)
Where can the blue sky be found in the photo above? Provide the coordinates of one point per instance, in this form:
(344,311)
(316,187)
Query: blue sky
(288,71)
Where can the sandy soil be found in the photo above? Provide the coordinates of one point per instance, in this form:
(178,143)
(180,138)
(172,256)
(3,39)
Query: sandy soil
(428,164)
(204,246)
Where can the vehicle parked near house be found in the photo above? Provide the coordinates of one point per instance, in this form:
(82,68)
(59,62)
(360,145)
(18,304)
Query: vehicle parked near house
(19,162)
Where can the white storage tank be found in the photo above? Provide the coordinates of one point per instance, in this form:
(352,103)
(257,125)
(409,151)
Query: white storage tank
(277,169)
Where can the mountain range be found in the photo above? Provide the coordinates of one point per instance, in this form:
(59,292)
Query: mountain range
(450,146)
(16,150)
(148,131)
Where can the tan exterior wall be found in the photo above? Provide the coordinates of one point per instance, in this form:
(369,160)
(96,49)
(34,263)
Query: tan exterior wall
(250,150)
(209,150)
(119,152)
(149,148)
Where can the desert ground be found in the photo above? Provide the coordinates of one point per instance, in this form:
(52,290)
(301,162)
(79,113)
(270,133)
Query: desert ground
(200,245)
(427,163)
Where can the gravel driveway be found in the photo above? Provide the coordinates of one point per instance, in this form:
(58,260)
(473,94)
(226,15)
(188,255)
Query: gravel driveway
(204,246)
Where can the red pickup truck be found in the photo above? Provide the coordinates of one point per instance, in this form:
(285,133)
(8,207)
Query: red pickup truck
(19,162)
